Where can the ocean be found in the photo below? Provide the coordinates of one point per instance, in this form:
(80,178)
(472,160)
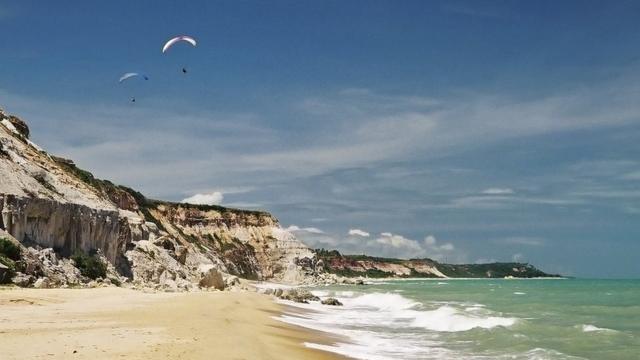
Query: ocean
(479,319)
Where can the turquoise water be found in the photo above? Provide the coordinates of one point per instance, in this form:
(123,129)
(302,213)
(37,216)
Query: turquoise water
(481,319)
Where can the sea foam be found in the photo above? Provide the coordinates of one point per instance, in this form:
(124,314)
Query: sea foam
(390,326)
(592,328)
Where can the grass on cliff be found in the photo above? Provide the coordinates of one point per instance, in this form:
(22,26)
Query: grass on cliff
(9,254)
(90,265)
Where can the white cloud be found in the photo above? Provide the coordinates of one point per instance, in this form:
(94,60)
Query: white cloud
(494,202)
(400,242)
(358,232)
(498,191)
(311,230)
(214,198)
(430,240)
(518,257)
(606,192)
(432,245)
(386,245)
(447,247)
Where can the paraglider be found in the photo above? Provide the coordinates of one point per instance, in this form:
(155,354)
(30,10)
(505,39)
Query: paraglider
(127,76)
(176,40)
(168,45)
(131,75)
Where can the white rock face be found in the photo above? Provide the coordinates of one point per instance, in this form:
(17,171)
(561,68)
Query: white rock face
(49,204)
(64,227)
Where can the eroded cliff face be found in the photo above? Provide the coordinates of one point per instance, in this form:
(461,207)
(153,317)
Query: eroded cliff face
(48,202)
(250,244)
(64,227)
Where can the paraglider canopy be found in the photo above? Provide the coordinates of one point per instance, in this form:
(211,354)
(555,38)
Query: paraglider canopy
(177,39)
(130,75)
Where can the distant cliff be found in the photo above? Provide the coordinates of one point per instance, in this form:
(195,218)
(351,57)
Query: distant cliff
(333,262)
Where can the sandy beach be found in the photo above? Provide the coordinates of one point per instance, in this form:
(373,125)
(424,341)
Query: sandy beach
(109,323)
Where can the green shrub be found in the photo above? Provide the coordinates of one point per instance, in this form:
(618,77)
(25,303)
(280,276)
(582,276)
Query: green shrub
(9,254)
(90,265)
(9,249)
(8,275)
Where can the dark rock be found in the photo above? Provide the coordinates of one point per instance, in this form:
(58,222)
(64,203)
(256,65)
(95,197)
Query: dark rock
(4,273)
(331,301)
(298,295)
(181,254)
(20,125)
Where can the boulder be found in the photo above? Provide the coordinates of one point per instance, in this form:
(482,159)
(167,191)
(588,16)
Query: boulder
(298,295)
(268,291)
(210,277)
(231,280)
(170,286)
(42,283)
(331,301)
(22,280)
(30,262)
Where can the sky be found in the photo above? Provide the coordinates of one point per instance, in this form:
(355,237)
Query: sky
(464,131)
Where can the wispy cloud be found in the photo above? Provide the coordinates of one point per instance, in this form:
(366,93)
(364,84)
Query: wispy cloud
(635,175)
(498,191)
(350,128)
(214,198)
(310,230)
(358,232)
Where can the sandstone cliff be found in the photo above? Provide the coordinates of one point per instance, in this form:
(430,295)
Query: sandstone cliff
(47,202)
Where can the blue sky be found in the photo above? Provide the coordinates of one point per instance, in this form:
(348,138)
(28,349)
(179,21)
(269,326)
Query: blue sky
(465,131)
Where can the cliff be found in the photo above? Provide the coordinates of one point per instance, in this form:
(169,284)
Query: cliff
(366,266)
(48,202)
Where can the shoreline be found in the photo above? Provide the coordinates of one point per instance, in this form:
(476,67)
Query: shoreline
(123,323)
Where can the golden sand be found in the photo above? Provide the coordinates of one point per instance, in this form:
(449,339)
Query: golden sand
(113,323)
